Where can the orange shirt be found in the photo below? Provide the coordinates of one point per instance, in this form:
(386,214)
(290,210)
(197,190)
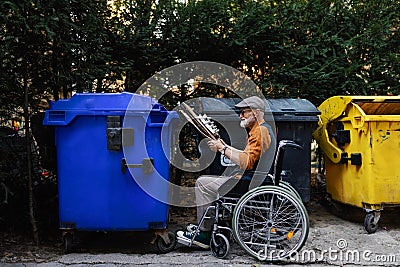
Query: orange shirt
(258,141)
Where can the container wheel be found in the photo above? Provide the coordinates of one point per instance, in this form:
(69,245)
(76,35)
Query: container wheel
(369,224)
(219,245)
(163,247)
(68,240)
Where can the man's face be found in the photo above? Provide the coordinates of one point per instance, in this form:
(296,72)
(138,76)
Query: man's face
(247,118)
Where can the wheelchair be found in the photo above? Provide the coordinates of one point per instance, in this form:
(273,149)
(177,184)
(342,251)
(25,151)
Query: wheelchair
(269,222)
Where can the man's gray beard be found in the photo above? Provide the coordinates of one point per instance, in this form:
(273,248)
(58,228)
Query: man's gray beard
(244,123)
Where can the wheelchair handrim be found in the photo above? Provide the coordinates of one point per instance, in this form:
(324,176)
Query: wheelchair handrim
(270,237)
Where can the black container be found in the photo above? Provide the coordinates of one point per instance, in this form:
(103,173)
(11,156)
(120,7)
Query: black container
(292,119)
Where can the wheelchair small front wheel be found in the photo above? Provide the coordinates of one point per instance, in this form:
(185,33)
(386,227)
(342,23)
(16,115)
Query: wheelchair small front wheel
(219,245)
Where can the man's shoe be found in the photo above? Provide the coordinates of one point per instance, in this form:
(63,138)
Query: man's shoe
(191,227)
(202,239)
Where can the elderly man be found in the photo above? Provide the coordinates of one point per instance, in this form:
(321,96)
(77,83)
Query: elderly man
(253,157)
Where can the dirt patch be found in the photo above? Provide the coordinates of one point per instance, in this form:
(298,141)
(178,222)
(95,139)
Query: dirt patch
(20,248)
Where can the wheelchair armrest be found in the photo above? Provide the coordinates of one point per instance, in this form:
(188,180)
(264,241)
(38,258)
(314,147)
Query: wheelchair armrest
(289,143)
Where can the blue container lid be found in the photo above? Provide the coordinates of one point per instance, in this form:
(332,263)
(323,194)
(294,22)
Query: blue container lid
(62,112)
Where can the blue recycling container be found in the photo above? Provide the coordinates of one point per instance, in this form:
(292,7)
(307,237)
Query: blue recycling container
(108,147)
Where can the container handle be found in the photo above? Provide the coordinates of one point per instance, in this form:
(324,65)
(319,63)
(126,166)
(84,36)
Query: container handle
(147,165)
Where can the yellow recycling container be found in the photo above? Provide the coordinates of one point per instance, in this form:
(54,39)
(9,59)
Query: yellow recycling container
(360,138)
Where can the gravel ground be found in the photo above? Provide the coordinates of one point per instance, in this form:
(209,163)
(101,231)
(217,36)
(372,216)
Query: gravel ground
(332,241)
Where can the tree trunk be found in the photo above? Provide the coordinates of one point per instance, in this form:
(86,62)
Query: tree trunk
(29,162)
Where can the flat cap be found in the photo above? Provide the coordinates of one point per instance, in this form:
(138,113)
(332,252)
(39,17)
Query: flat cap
(253,102)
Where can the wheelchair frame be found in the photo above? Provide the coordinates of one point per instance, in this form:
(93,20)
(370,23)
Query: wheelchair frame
(269,222)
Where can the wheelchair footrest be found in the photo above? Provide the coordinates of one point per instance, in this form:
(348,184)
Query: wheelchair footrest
(184,241)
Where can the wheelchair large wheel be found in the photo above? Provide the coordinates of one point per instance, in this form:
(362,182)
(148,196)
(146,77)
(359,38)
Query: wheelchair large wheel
(289,187)
(270,223)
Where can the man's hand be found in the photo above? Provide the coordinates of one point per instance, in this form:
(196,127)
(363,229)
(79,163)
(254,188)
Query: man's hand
(216,145)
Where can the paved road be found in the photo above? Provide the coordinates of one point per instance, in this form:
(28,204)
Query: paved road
(332,242)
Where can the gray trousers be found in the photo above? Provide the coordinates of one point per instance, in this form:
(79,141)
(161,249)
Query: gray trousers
(208,189)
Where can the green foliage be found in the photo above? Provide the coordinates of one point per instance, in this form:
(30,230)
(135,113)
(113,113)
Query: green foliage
(306,49)
(54,45)
(294,48)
